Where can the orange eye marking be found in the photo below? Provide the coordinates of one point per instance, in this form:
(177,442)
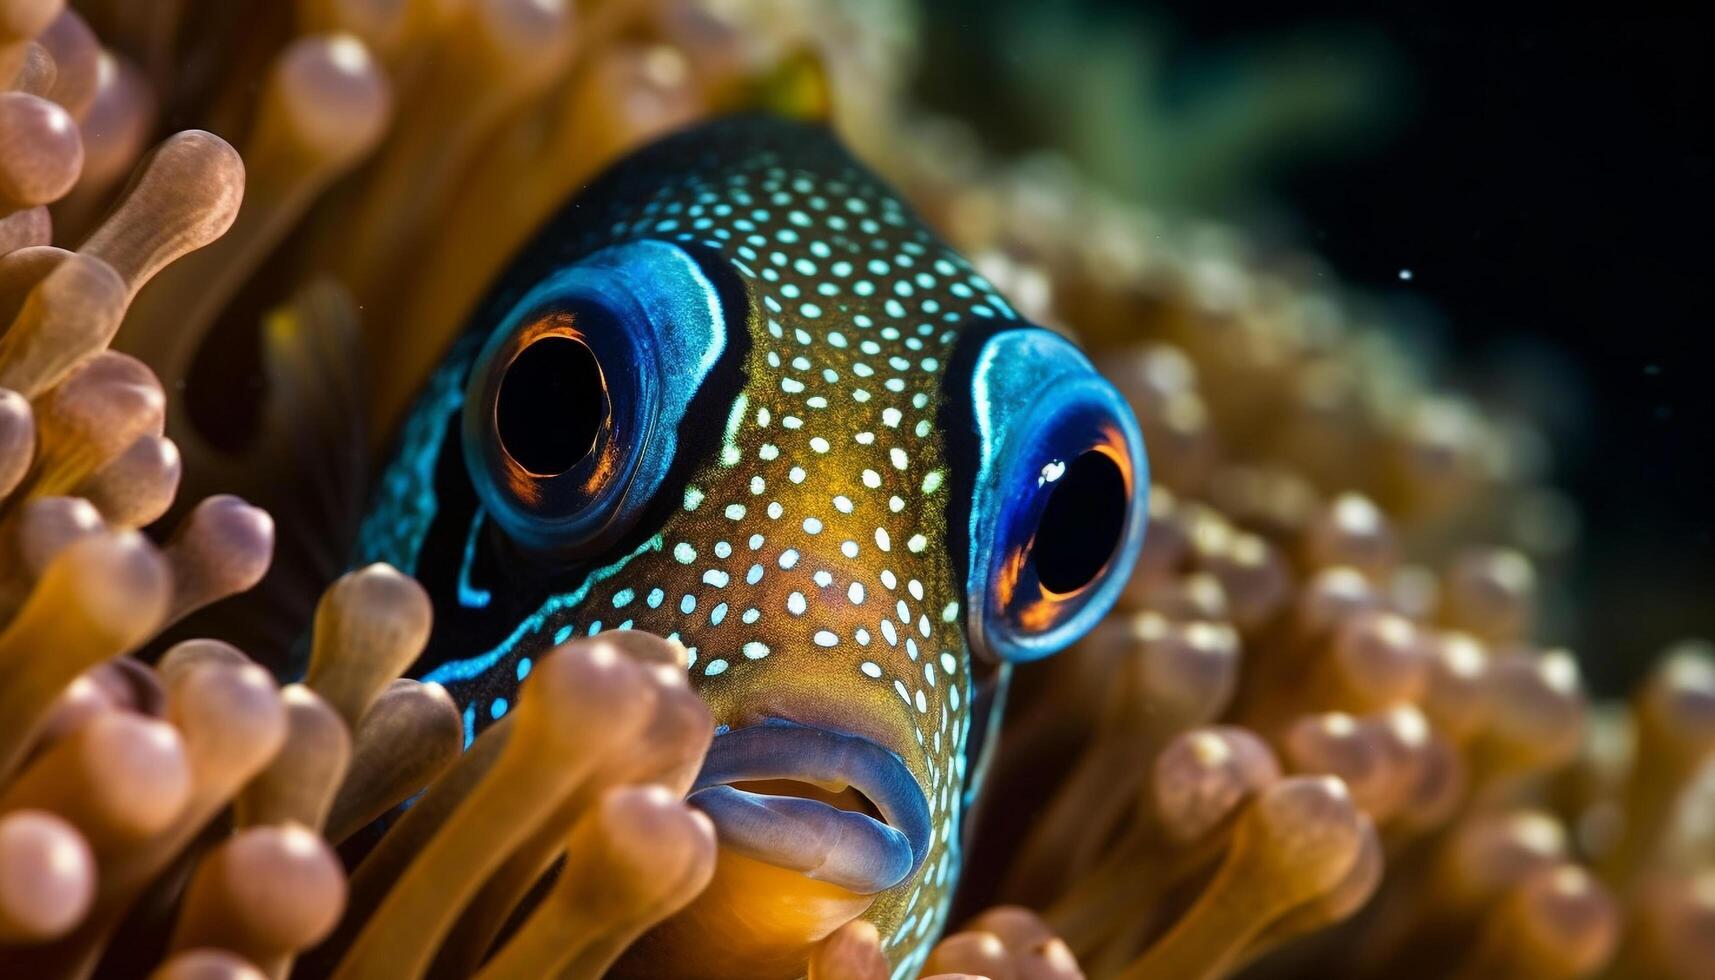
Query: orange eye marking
(1006,583)
(606,463)
(1113,446)
(1040,615)
(522,483)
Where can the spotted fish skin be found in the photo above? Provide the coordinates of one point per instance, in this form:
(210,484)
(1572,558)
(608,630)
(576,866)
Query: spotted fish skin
(804,547)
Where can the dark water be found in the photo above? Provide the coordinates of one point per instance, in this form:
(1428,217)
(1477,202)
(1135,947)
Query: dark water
(1546,178)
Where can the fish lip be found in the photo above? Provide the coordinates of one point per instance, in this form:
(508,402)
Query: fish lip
(852,850)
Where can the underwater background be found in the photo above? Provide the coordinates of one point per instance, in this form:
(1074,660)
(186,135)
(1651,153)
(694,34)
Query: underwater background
(1545,175)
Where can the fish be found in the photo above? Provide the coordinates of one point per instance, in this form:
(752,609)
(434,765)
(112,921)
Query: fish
(735,393)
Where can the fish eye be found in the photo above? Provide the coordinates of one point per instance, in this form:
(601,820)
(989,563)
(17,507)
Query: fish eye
(573,406)
(1059,502)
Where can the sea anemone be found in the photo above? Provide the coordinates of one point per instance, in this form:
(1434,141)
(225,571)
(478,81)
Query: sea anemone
(1316,737)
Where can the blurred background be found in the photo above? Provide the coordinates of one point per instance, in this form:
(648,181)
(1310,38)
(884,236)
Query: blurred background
(1525,191)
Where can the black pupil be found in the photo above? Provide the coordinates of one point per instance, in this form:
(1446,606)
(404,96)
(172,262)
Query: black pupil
(551,405)
(1081,523)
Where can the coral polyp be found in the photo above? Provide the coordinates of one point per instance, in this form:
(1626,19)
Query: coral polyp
(495,488)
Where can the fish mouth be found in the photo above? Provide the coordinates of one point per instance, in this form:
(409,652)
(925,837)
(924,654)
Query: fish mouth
(836,807)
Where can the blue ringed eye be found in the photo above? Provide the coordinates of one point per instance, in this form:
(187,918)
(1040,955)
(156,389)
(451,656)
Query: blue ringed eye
(573,406)
(1060,496)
